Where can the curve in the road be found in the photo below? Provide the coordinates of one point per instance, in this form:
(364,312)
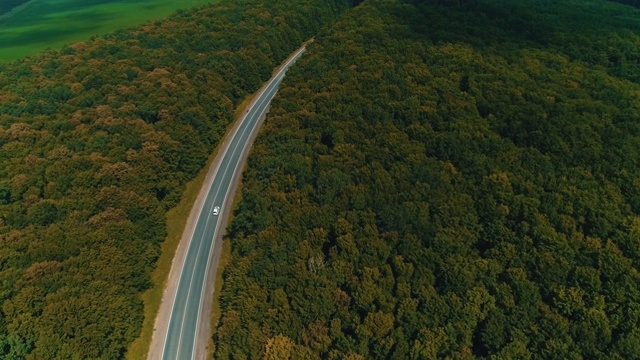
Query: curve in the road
(181,335)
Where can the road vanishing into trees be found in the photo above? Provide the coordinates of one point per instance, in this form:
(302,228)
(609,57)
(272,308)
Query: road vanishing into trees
(182,328)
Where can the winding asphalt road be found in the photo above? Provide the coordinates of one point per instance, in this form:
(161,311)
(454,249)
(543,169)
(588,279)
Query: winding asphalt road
(184,336)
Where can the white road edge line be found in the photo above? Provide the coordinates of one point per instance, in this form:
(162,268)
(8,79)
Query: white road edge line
(226,149)
(204,201)
(275,78)
(184,313)
(215,193)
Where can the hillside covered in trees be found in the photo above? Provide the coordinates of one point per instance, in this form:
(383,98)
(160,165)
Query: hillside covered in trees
(97,142)
(446,179)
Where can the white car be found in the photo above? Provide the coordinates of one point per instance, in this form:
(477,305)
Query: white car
(216,210)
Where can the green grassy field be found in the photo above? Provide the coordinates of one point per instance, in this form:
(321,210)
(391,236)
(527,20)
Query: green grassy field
(42,24)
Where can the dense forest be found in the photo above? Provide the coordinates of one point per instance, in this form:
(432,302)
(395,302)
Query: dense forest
(97,142)
(446,179)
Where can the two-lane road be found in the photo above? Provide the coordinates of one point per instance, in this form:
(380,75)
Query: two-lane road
(184,335)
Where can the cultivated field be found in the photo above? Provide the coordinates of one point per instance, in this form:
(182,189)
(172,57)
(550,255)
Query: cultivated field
(41,24)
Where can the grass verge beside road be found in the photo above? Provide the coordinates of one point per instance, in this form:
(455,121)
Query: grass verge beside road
(176,221)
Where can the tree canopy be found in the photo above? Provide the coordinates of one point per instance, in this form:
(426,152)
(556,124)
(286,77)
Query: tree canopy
(446,179)
(97,142)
